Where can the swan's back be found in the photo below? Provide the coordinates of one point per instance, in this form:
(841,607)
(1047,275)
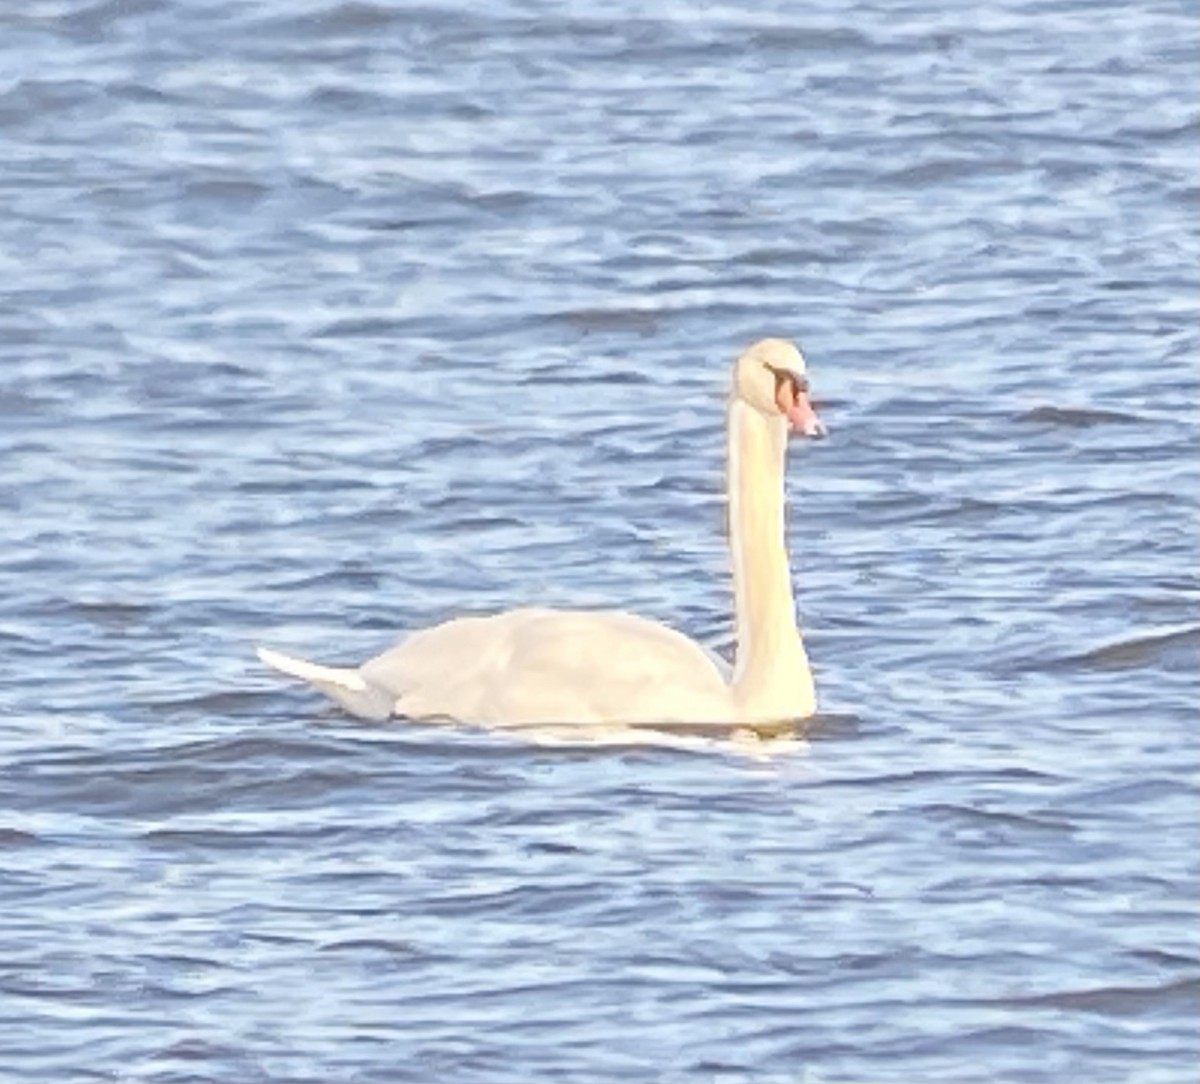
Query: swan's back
(537,666)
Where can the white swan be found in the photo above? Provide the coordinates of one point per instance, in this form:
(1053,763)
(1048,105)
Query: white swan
(541,667)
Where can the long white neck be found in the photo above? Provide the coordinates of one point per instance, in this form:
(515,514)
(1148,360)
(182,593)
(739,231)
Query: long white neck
(771,678)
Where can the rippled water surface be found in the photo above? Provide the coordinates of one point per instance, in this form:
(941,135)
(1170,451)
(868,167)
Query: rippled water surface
(324,321)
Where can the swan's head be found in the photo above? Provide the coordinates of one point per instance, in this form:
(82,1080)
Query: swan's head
(771,377)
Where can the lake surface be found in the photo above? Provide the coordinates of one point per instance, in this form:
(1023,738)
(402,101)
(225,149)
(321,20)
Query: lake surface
(324,321)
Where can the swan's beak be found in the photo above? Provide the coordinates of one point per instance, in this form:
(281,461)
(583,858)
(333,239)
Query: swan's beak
(802,416)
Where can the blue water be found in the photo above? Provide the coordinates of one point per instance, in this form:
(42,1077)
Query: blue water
(324,321)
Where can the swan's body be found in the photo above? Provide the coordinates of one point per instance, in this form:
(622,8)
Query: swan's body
(536,666)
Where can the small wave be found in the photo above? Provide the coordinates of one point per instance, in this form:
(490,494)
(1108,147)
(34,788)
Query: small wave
(30,100)
(611,320)
(501,200)
(1175,649)
(992,818)
(1074,417)
(217,703)
(15,837)
(1163,958)
(566,374)
(345,20)
(950,169)
(112,615)
(200,1050)
(1162,133)
(384,946)
(363,327)
(1118,1000)
(228,191)
(342,577)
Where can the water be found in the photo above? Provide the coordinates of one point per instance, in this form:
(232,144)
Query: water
(324,321)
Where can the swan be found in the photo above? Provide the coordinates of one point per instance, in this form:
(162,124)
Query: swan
(531,667)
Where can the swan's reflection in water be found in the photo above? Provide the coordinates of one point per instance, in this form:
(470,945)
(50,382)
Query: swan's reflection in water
(758,740)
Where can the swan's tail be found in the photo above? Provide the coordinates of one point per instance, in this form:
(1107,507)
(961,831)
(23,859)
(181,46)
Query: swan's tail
(345,685)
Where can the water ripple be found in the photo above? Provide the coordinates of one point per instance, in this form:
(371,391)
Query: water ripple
(326,322)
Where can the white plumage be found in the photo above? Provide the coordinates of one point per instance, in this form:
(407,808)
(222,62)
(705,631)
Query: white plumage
(542,667)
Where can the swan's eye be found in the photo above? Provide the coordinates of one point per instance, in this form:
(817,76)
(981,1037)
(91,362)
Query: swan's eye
(798,384)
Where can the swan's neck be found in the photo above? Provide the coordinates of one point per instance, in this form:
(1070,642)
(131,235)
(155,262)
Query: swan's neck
(771,677)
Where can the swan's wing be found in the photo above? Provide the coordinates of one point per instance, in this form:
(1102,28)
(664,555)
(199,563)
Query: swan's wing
(544,666)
